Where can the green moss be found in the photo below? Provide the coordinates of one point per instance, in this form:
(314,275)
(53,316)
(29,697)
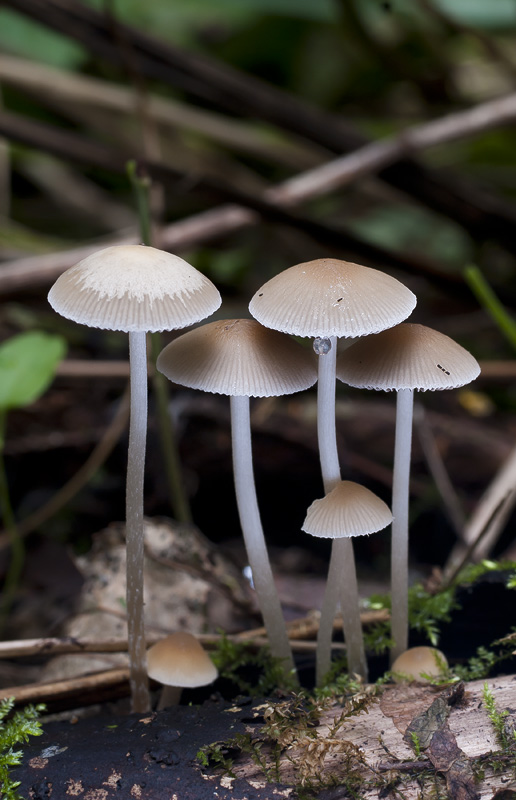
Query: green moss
(15,731)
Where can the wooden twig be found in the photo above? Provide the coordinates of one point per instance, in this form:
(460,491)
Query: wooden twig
(243,94)
(52,646)
(75,89)
(75,147)
(86,688)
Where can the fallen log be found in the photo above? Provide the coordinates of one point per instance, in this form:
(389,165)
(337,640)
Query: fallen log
(409,742)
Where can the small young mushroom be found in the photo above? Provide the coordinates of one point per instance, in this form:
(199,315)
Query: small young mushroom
(242,359)
(418,662)
(135,289)
(179,661)
(326,299)
(349,509)
(404,358)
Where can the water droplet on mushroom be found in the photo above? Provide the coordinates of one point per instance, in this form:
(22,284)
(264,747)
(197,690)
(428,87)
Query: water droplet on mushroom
(322,345)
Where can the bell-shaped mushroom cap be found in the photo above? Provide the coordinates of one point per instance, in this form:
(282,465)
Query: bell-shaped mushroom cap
(180,660)
(134,288)
(348,510)
(328,297)
(408,356)
(238,357)
(418,661)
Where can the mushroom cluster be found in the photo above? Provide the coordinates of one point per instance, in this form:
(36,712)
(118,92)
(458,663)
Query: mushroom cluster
(139,289)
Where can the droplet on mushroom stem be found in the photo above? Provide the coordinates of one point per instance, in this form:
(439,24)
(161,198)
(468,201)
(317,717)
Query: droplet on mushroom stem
(322,345)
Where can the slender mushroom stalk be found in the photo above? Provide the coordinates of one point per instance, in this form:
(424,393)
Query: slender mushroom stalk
(342,580)
(404,358)
(347,510)
(134,519)
(332,298)
(135,289)
(242,359)
(400,522)
(252,531)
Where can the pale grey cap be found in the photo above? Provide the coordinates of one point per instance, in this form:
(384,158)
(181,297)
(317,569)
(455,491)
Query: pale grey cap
(134,288)
(408,356)
(180,660)
(238,357)
(348,510)
(329,297)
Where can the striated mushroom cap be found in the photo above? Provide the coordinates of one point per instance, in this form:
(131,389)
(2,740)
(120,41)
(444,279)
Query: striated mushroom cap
(238,357)
(134,288)
(348,510)
(329,297)
(409,356)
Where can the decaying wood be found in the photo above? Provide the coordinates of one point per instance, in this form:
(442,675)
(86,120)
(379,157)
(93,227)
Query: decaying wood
(155,756)
(458,732)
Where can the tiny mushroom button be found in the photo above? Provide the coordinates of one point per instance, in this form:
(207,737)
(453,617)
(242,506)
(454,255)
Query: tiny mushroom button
(179,661)
(135,289)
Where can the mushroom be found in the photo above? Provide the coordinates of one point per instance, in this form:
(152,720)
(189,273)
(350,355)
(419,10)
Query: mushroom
(179,661)
(349,509)
(418,662)
(328,298)
(404,358)
(242,359)
(135,289)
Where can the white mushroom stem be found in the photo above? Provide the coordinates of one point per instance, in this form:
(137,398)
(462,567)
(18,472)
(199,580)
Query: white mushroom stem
(400,524)
(252,530)
(140,698)
(342,580)
(169,696)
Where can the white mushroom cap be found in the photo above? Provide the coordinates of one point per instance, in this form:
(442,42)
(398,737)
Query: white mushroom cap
(328,297)
(180,660)
(408,356)
(134,288)
(418,660)
(348,510)
(238,357)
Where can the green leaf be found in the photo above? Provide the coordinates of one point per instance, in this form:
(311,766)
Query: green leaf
(27,365)
(21,36)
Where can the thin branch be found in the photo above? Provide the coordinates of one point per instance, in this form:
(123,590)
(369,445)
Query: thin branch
(53,84)
(483,216)
(375,156)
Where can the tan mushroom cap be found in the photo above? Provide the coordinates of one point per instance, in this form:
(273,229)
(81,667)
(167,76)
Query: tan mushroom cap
(180,660)
(328,297)
(418,660)
(134,288)
(348,510)
(409,356)
(238,357)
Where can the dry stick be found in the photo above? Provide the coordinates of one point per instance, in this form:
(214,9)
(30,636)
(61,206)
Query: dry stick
(243,94)
(439,472)
(376,155)
(83,150)
(228,219)
(489,516)
(81,477)
(73,89)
